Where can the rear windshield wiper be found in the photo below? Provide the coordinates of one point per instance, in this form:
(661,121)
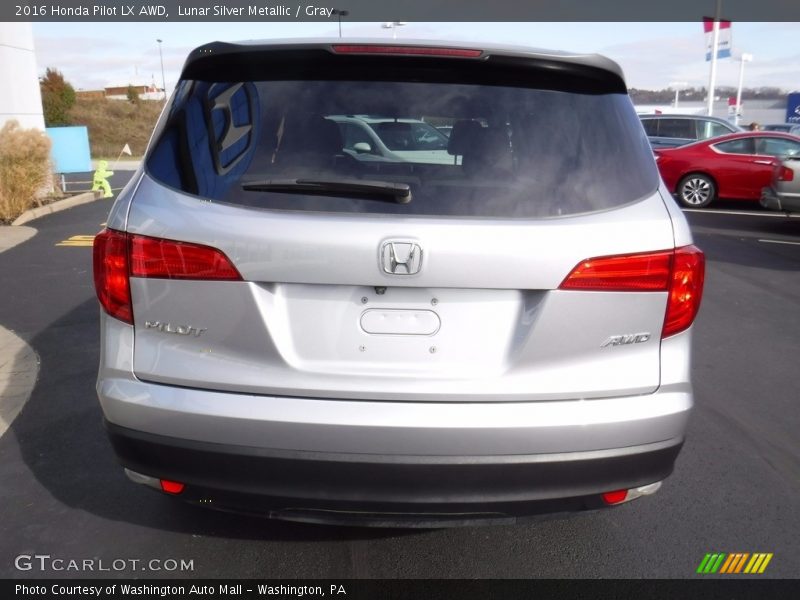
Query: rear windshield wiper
(385,191)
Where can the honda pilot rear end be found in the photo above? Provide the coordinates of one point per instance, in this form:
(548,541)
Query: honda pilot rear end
(299,325)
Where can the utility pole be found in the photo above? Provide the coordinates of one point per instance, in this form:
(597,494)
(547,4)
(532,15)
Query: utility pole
(678,85)
(163,79)
(744,58)
(712,79)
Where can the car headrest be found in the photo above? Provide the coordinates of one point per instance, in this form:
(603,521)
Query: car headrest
(314,135)
(463,136)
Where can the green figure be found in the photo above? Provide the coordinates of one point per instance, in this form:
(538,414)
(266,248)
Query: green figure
(100,180)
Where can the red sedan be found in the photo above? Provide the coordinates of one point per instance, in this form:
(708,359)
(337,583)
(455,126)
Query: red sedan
(734,166)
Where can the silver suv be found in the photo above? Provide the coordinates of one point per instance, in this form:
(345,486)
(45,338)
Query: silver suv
(293,331)
(670,130)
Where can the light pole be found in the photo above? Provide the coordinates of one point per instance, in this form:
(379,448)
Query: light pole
(678,85)
(163,79)
(340,14)
(712,78)
(744,58)
(393,25)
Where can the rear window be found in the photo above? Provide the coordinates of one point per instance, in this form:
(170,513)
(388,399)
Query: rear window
(777,147)
(507,151)
(650,126)
(709,129)
(738,146)
(676,128)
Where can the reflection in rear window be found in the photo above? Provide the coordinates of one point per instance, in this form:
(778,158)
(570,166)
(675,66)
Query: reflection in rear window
(508,152)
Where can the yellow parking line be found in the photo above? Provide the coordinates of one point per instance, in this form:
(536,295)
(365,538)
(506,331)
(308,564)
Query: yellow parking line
(77,240)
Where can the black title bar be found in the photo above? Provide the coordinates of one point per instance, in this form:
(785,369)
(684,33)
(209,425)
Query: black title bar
(712,588)
(408,10)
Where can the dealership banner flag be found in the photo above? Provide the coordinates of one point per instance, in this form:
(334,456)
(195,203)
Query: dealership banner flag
(725,38)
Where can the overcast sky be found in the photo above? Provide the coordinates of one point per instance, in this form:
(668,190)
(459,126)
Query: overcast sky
(653,55)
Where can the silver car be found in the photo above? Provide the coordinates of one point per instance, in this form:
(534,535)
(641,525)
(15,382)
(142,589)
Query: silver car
(291,331)
(783,194)
(673,130)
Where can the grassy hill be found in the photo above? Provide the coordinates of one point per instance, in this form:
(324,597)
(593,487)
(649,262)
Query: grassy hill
(114,123)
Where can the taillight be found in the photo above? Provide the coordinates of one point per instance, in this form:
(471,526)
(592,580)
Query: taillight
(111,274)
(118,256)
(620,496)
(615,497)
(168,259)
(685,289)
(647,272)
(678,272)
(171,487)
(785,174)
(405,50)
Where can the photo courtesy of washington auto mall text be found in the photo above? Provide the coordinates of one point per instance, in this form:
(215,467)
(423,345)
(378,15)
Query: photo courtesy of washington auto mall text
(171,590)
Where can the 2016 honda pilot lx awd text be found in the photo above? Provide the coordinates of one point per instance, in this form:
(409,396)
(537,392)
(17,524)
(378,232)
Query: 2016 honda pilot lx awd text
(491,330)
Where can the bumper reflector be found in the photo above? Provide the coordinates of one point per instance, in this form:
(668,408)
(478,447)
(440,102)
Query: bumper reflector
(615,497)
(620,496)
(172,487)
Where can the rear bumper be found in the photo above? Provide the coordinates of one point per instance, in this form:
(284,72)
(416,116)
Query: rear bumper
(389,490)
(774,201)
(435,429)
(417,462)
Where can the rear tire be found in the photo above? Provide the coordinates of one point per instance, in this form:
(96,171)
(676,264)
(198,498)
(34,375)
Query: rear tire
(697,190)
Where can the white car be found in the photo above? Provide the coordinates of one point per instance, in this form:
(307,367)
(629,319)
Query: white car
(393,139)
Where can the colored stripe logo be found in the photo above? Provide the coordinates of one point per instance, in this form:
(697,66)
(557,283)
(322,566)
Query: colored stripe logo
(735,563)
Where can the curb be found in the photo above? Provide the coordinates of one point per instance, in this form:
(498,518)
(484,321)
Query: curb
(11,236)
(35,213)
(19,363)
(19,368)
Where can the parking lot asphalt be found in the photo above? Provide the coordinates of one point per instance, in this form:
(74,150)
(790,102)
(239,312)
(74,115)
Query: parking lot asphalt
(736,487)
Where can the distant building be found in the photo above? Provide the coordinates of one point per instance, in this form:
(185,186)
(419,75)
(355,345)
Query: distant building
(120,92)
(90,94)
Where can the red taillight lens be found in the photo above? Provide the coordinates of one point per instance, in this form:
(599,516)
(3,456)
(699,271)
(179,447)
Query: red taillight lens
(111,274)
(685,289)
(118,256)
(679,272)
(615,497)
(785,174)
(405,50)
(167,259)
(171,487)
(648,272)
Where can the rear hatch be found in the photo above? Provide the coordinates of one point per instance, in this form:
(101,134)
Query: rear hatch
(412,280)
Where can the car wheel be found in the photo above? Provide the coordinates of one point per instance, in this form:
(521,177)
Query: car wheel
(697,190)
